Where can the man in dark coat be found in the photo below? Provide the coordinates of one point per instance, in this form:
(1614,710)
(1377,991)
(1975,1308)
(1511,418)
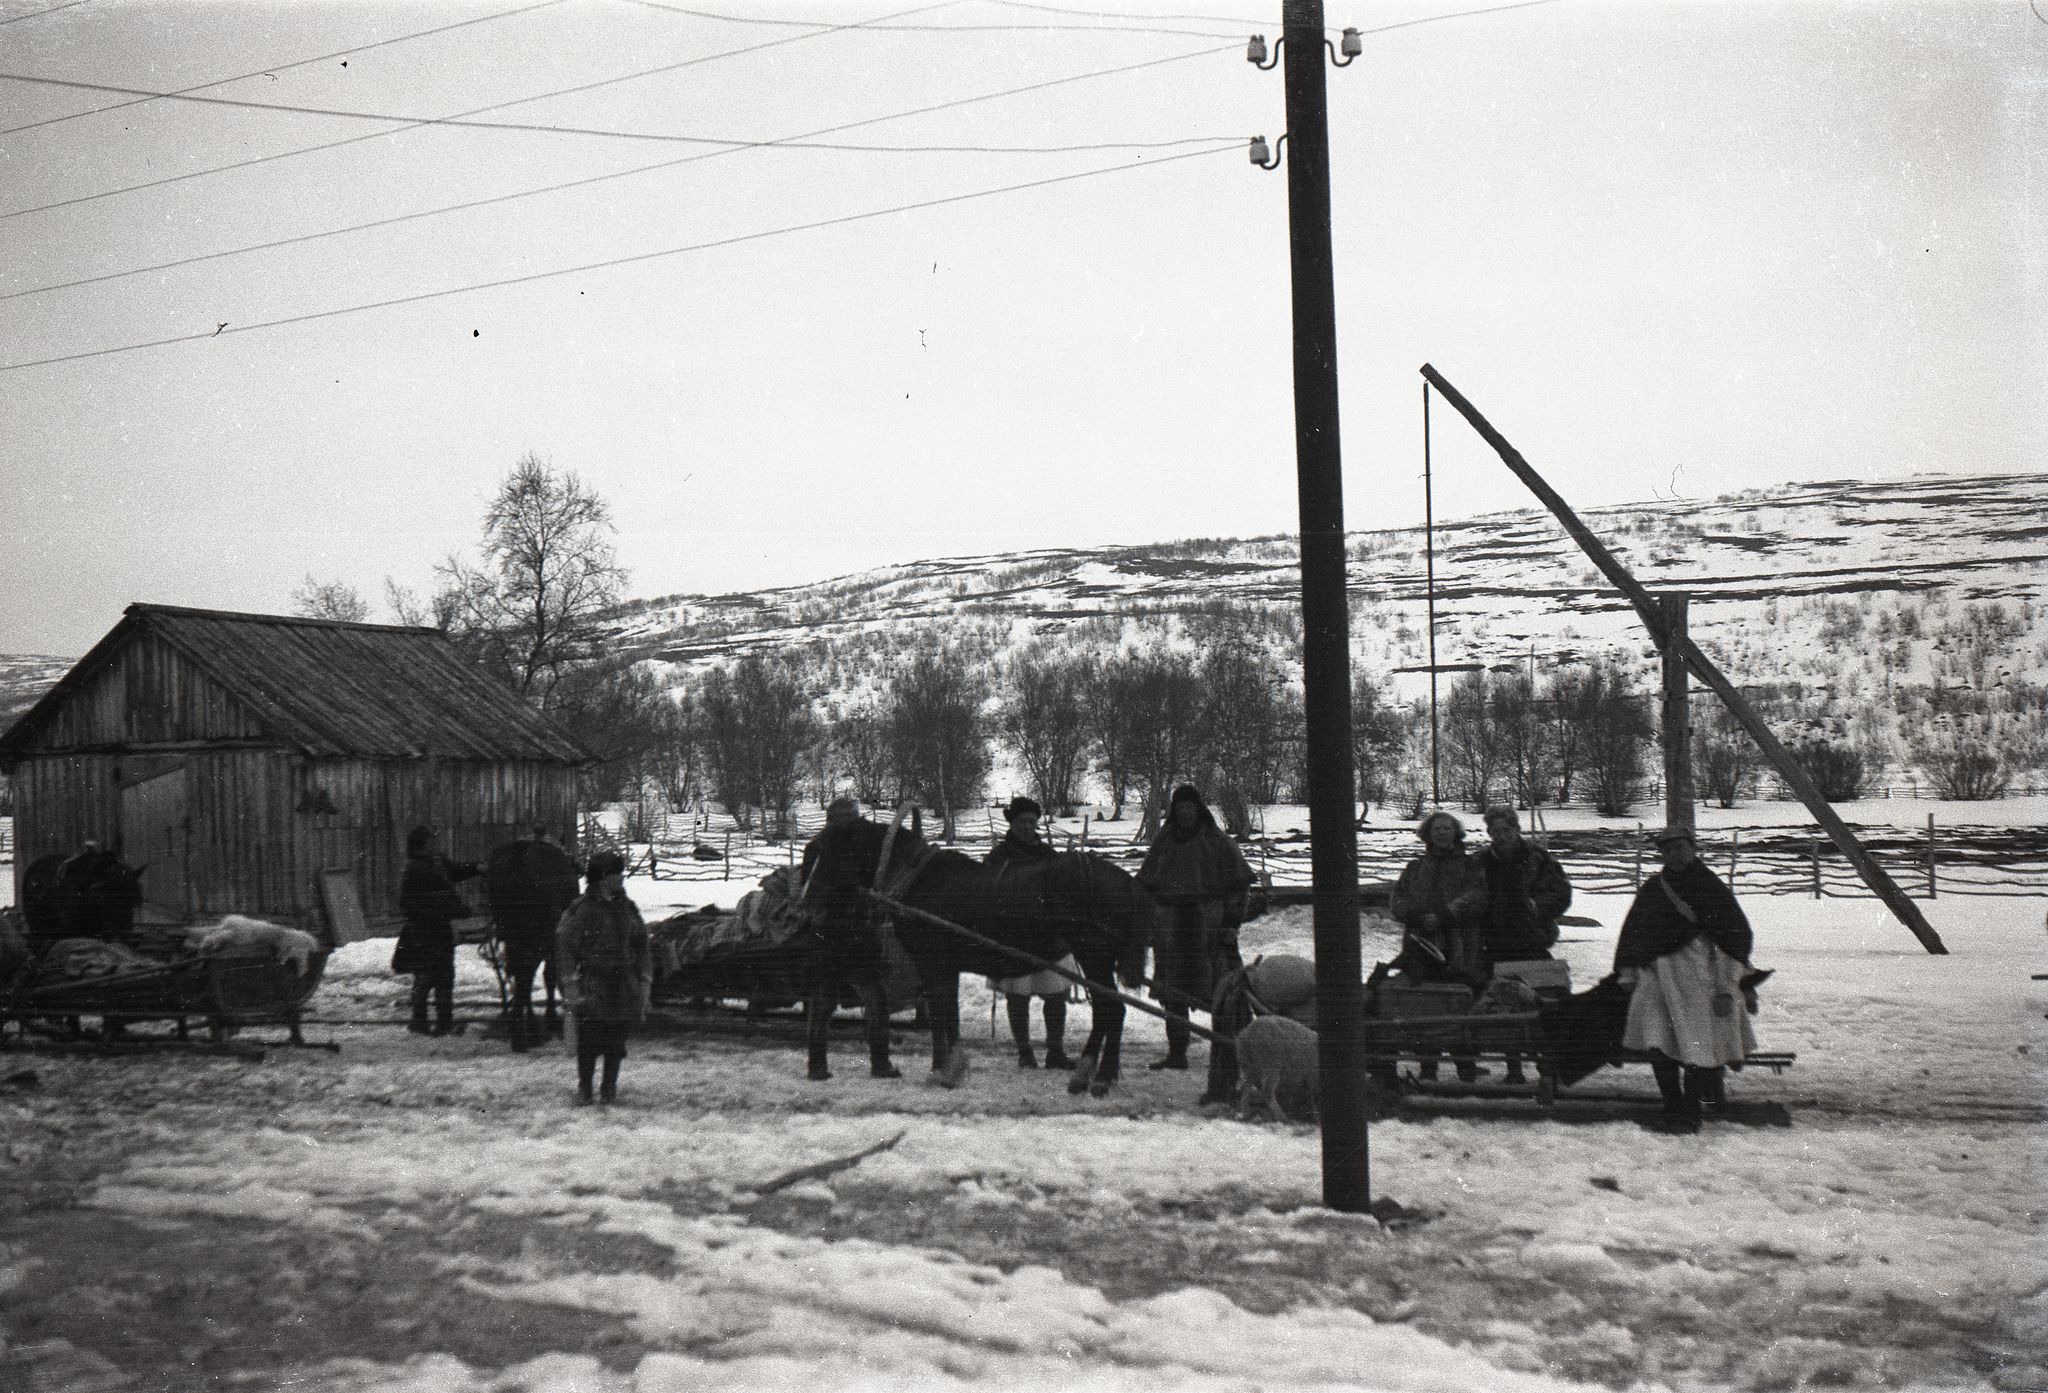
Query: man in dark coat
(607,969)
(429,905)
(1200,876)
(848,947)
(531,882)
(1022,843)
(1683,953)
(1525,892)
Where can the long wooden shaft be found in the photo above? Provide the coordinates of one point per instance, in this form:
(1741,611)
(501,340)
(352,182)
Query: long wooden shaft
(1789,769)
(1038,964)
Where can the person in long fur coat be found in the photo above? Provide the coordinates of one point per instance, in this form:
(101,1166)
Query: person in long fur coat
(607,967)
(1199,874)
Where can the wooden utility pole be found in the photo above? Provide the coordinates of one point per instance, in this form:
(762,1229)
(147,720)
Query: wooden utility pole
(1789,769)
(1326,619)
(1677,727)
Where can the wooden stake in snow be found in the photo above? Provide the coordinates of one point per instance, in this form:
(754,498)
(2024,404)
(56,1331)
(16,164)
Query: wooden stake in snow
(1788,769)
(1930,856)
(1734,846)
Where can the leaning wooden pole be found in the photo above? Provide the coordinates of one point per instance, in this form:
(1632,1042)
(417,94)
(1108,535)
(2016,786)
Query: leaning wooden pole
(1036,964)
(1789,769)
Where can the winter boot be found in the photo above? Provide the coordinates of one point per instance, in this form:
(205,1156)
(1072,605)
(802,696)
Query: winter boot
(1018,1009)
(1056,1033)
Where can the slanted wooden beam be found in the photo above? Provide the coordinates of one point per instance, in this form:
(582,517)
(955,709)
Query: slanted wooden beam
(1789,769)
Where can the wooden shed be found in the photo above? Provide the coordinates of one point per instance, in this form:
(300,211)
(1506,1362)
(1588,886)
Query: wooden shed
(244,757)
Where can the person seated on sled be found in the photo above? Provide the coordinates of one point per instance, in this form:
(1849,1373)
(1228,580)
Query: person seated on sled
(1525,892)
(1022,842)
(1440,902)
(1683,954)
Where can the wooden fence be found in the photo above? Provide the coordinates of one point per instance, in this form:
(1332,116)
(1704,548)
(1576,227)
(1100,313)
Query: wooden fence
(1758,861)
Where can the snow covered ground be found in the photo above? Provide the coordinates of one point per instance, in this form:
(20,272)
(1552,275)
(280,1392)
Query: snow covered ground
(436,1216)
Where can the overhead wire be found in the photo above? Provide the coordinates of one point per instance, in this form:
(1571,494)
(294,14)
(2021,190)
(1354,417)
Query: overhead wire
(1254,23)
(950,28)
(269,71)
(533,127)
(796,141)
(38,14)
(474,111)
(1109,14)
(531,277)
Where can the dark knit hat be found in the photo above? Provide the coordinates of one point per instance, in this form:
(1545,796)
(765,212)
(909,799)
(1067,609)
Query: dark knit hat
(602,864)
(1675,833)
(1023,805)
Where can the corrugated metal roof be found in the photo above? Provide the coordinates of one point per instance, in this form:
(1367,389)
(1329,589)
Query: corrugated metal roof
(337,689)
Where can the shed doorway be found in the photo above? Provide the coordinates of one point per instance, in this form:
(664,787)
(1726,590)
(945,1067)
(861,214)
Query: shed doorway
(154,832)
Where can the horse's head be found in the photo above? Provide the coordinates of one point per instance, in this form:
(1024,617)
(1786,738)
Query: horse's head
(100,893)
(847,860)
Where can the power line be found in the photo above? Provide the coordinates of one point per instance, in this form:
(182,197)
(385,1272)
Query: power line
(1106,14)
(529,127)
(790,141)
(1256,23)
(1461,14)
(265,72)
(531,277)
(38,14)
(474,111)
(953,28)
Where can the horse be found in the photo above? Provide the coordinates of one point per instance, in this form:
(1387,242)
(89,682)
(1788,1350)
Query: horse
(1075,902)
(529,883)
(92,894)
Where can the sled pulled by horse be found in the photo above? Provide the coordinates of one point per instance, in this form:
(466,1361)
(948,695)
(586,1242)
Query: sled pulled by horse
(76,951)
(952,915)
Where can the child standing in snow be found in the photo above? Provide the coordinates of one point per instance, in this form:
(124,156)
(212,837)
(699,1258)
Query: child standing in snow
(607,967)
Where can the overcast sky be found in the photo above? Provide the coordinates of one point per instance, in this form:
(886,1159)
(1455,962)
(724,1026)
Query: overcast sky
(1669,248)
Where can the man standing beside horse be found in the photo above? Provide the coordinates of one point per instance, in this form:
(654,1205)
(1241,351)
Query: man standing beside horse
(1022,844)
(848,948)
(426,944)
(1200,876)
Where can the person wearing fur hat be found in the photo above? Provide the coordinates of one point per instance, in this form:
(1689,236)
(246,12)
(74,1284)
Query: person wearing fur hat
(1023,843)
(1440,902)
(429,907)
(1198,873)
(607,968)
(1683,953)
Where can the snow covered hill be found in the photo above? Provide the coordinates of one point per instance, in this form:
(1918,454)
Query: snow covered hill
(1832,582)
(1842,586)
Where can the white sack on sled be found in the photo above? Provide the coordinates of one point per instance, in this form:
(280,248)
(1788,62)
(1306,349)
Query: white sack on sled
(294,946)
